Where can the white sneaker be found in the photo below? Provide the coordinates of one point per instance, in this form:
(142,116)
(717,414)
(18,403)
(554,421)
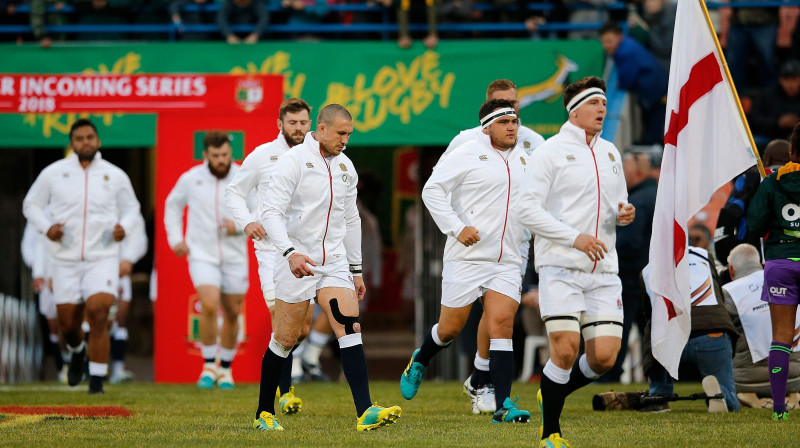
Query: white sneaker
(225,378)
(482,398)
(208,376)
(711,388)
(121,376)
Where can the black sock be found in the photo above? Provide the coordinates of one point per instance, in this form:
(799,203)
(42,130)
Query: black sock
(285,382)
(577,379)
(271,366)
(480,378)
(428,350)
(95,383)
(225,364)
(354,364)
(553,395)
(501,368)
(210,360)
(117,349)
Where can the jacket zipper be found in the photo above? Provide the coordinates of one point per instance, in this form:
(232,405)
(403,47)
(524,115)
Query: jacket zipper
(85,206)
(508,202)
(597,174)
(330,206)
(219,221)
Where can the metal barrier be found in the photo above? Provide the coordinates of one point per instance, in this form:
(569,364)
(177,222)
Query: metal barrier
(20,340)
(383,27)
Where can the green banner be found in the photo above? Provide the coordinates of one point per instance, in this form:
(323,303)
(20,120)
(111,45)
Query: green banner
(397,97)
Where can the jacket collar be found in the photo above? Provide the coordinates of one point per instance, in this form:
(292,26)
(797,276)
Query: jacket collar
(312,145)
(281,140)
(73,156)
(578,134)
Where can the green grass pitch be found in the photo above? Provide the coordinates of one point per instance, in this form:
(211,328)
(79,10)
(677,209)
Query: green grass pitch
(173,415)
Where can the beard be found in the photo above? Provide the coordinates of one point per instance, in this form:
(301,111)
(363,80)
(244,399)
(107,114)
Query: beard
(221,172)
(86,156)
(294,139)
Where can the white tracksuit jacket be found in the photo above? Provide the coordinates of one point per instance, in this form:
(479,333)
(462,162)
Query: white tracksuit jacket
(311,205)
(527,139)
(477,186)
(89,202)
(573,188)
(204,194)
(254,174)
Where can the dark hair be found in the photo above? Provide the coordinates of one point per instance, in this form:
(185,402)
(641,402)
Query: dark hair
(794,141)
(581,85)
(79,123)
(293,105)
(215,139)
(331,111)
(610,27)
(776,153)
(499,85)
(491,105)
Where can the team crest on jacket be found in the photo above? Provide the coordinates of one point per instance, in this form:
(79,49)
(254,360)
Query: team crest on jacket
(483,158)
(105,177)
(273,158)
(526,144)
(344,177)
(343,166)
(611,157)
(309,165)
(522,159)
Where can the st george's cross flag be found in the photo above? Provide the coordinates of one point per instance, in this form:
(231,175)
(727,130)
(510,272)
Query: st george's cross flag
(706,144)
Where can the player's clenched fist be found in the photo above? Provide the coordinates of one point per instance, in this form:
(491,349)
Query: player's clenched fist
(468,236)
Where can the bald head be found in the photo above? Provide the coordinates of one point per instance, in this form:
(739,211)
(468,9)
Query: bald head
(776,153)
(330,113)
(743,260)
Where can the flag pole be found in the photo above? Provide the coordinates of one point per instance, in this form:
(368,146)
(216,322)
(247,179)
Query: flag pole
(733,87)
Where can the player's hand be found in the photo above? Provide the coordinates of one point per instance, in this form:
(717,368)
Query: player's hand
(232,39)
(228,227)
(298,266)
(255,231)
(119,233)
(531,299)
(251,38)
(125,268)
(38,284)
(591,246)
(361,289)
(55,232)
(468,236)
(627,213)
(181,249)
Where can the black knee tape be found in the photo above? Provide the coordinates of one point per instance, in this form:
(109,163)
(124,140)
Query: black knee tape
(350,323)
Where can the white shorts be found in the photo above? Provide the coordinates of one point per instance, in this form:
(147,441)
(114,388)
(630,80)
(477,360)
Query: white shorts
(463,283)
(564,291)
(291,289)
(47,304)
(230,279)
(266,273)
(125,288)
(76,281)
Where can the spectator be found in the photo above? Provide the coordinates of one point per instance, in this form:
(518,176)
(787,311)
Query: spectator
(750,315)
(304,12)
(633,248)
(199,15)
(640,73)
(242,12)
(776,109)
(700,236)
(403,13)
(102,12)
(752,34)
(776,154)
(654,28)
(711,341)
